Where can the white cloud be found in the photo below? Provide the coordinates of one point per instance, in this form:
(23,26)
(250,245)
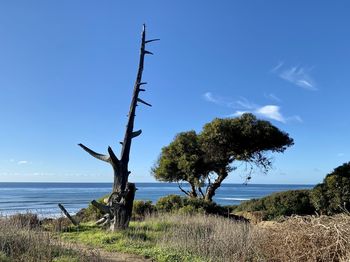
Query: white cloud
(268,111)
(238,113)
(299,76)
(243,105)
(340,154)
(22,162)
(271,112)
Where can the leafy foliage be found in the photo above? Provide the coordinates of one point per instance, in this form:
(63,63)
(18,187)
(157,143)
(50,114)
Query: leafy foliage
(242,138)
(333,195)
(185,205)
(142,208)
(182,160)
(292,202)
(192,157)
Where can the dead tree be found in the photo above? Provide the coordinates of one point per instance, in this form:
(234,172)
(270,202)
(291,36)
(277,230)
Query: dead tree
(119,205)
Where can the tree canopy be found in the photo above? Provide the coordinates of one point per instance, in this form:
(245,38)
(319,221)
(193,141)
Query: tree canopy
(193,157)
(333,195)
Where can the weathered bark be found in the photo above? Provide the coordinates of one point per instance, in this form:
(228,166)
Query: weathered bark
(65,212)
(222,174)
(119,207)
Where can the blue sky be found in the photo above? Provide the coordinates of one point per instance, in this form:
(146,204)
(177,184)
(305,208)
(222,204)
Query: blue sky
(67,70)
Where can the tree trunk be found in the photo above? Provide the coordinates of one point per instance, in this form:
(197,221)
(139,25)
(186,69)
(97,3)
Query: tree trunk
(222,174)
(193,192)
(119,206)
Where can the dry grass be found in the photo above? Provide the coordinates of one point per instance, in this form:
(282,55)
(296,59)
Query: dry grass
(294,239)
(22,239)
(209,238)
(212,238)
(307,238)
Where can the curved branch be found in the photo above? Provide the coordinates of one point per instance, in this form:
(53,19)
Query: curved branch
(96,155)
(113,157)
(200,191)
(184,191)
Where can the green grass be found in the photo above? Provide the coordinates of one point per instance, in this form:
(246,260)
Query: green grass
(141,238)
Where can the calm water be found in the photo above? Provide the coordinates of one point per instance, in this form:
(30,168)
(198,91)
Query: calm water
(43,198)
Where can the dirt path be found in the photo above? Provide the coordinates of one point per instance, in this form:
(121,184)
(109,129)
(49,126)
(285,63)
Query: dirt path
(105,255)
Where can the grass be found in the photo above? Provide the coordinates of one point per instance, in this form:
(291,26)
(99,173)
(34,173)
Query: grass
(141,238)
(22,239)
(180,237)
(174,237)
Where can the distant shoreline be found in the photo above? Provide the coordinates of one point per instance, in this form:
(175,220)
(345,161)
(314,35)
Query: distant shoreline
(160,183)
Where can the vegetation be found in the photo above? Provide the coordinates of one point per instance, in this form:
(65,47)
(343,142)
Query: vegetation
(287,203)
(22,239)
(195,157)
(198,237)
(142,238)
(167,204)
(333,195)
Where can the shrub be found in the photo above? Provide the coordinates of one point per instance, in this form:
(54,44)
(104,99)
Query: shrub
(169,203)
(185,205)
(305,239)
(27,220)
(139,210)
(142,208)
(333,195)
(292,202)
(91,213)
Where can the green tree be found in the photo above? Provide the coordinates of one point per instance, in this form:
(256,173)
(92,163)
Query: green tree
(194,157)
(183,160)
(333,195)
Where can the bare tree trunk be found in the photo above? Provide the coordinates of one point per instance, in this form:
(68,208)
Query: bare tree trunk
(193,192)
(222,174)
(119,207)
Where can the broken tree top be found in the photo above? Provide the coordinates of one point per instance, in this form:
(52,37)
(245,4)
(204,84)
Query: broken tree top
(120,165)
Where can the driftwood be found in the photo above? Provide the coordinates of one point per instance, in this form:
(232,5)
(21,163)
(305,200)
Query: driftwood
(65,212)
(119,207)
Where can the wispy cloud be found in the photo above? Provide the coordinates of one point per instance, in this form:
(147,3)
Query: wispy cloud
(23,162)
(297,75)
(278,66)
(243,105)
(273,97)
(340,154)
(208,96)
(242,102)
(269,111)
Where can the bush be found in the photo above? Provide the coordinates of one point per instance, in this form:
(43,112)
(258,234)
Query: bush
(292,202)
(142,208)
(175,203)
(139,210)
(333,195)
(169,203)
(91,213)
(27,220)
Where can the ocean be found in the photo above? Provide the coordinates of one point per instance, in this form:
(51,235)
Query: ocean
(42,198)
